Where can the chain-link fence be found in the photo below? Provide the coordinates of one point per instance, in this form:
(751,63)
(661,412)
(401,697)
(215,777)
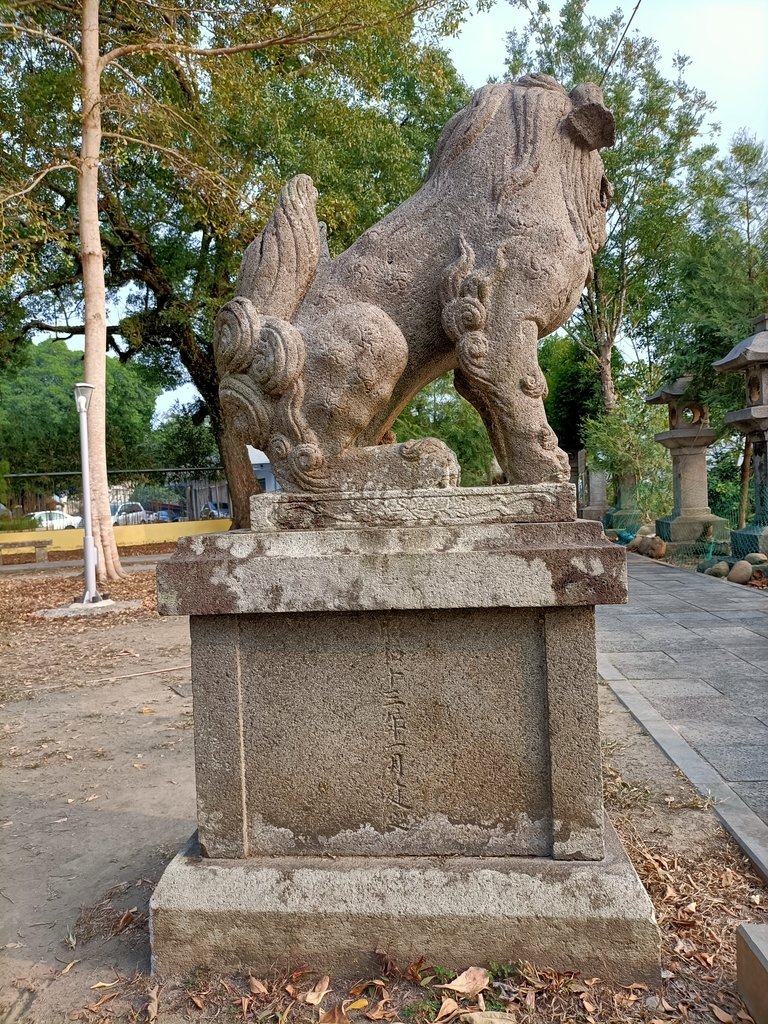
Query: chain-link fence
(136,496)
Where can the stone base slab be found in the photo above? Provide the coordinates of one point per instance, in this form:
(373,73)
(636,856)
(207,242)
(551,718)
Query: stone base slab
(752,969)
(623,519)
(333,914)
(513,565)
(693,529)
(532,503)
(752,538)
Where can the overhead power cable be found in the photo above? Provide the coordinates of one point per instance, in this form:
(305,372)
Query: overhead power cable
(623,34)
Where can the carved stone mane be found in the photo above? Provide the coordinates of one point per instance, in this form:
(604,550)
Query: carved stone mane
(317,357)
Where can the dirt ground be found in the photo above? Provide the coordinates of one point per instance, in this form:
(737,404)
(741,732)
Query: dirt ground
(97,794)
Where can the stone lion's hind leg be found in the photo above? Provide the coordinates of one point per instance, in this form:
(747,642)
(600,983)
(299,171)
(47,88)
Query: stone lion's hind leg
(356,354)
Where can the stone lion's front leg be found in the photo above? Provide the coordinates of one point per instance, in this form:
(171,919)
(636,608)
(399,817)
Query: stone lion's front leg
(502,379)
(498,372)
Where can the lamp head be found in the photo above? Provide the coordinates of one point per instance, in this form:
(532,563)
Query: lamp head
(83,394)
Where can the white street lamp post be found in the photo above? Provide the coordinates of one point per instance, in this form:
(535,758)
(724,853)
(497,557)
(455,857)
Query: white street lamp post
(83,394)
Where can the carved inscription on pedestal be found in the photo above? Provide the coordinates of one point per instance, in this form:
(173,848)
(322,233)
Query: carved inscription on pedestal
(397,804)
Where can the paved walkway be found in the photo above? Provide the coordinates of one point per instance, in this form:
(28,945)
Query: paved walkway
(688,656)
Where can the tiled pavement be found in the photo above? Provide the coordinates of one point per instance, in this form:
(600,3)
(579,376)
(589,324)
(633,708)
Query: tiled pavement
(688,656)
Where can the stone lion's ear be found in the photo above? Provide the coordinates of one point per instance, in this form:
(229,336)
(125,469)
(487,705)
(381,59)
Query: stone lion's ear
(592,125)
(590,121)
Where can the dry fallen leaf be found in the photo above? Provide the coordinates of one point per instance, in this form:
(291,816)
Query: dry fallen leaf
(488,1017)
(334,1016)
(93,1007)
(722,1015)
(258,988)
(447,1009)
(470,983)
(381,1011)
(198,1002)
(358,990)
(105,984)
(316,995)
(152,1005)
(358,1004)
(69,967)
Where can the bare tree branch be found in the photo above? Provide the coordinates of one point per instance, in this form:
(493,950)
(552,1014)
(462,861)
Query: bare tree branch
(43,34)
(36,181)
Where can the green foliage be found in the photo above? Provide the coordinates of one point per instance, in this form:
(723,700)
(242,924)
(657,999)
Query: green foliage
(195,149)
(39,430)
(184,438)
(722,275)
(438,411)
(622,443)
(724,481)
(656,167)
(574,390)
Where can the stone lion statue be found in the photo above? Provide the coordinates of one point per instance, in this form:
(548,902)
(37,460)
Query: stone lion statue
(318,356)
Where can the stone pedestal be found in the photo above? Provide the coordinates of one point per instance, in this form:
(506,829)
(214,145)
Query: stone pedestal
(691,523)
(371,698)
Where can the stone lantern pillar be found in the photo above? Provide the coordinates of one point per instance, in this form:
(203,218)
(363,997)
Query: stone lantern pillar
(751,358)
(625,514)
(594,489)
(688,439)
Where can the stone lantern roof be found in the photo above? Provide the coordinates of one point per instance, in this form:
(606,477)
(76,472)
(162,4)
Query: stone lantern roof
(688,419)
(753,350)
(750,357)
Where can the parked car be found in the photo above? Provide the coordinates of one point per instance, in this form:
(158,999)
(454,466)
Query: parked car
(166,515)
(129,513)
(215,510)
(55,520)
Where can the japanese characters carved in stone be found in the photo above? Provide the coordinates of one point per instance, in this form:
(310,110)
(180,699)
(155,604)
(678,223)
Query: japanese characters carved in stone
(318,356)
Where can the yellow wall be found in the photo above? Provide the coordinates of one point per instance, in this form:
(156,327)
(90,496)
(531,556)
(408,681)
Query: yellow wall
(126,536)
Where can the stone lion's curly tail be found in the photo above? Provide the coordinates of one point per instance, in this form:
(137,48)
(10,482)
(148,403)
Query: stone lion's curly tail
(259,353)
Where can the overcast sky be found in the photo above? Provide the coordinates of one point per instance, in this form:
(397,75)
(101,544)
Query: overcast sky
(725,39)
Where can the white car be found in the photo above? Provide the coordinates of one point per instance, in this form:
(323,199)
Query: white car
(130,513)
(55,520)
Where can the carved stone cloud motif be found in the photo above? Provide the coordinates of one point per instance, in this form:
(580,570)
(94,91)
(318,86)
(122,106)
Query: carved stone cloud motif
(318,356)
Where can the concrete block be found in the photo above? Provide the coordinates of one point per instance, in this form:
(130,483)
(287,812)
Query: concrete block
(752,969)
(593,917)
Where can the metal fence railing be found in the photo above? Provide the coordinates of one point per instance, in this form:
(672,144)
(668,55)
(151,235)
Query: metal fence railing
(136,495)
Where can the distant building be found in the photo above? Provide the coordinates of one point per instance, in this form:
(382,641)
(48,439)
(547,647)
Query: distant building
(263,470)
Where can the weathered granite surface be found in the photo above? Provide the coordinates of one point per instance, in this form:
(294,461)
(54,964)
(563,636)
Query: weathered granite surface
(514,565)
(534,503)
(318,356)
(469,731)
(335,913)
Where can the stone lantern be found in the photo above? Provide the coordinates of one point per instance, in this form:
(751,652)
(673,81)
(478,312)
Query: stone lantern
(751,358)
(688,438)
(593,486)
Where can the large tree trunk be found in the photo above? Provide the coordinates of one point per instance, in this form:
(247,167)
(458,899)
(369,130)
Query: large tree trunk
(94,293)
(241,480)
(607,386)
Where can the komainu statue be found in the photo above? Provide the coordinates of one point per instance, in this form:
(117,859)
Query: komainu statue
(318,356)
